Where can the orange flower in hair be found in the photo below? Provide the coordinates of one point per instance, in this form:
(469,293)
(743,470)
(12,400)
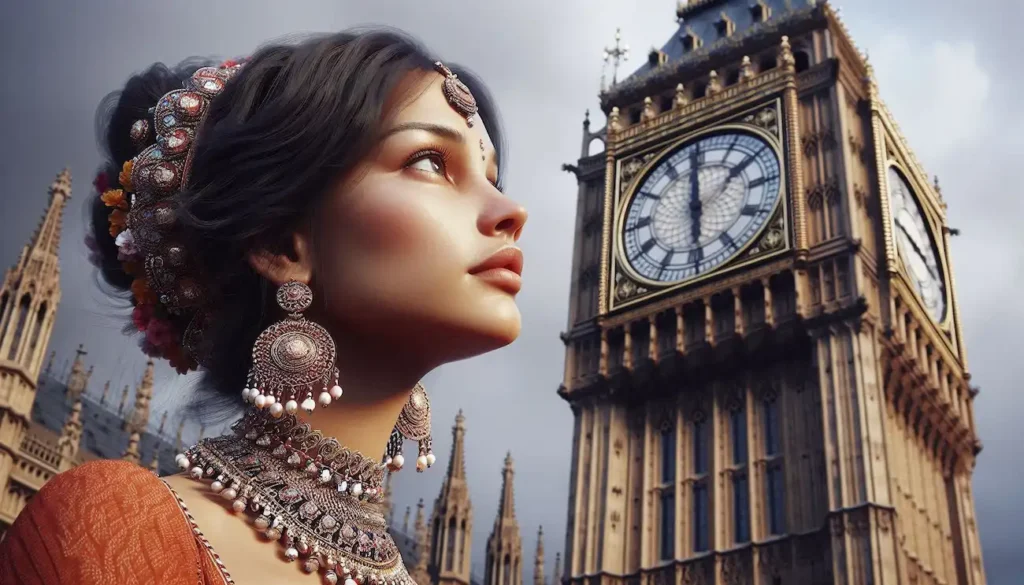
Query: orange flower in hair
(114,198)
(118,221)
(143,294)
(125,178)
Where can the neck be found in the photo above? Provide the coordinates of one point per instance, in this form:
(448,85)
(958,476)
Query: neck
(375,390)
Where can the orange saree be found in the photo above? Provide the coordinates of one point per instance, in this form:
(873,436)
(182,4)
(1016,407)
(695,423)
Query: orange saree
(109,523)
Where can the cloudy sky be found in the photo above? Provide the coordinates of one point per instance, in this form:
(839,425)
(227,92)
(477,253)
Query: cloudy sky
(949,74)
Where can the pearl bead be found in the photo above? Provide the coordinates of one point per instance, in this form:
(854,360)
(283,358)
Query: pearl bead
(331,577)
(291,554)
(430,459)
(325,476)
(343,486)
(238,505)
(308,405)
(302,547)
(398,461)
(245,394)
(273,533)
(229,494)
(336,392)
(311,565)
(276,410)
(324,399)
(421,463)
(350,581)
(260,401)
(196,472)
(270,399)
(216,487)
(357,489)
(291,406)
(182,461)
(261,523)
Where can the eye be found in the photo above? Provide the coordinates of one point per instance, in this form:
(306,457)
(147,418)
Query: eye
(427,162)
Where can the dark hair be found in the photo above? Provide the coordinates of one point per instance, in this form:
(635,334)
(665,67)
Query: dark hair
(297,118)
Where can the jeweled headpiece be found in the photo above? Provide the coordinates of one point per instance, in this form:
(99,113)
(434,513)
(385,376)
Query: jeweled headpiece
(144,210)
(457,94)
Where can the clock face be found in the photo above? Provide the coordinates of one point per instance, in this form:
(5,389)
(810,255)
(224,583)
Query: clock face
(700,205)
(915,246)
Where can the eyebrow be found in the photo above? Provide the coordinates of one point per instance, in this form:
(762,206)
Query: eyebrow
(438,129)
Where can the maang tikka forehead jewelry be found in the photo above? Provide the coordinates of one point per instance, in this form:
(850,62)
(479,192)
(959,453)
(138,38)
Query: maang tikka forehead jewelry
(414,424)
(291,358)
(457,94)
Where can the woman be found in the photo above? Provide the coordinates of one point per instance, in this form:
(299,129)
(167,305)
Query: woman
(325,215)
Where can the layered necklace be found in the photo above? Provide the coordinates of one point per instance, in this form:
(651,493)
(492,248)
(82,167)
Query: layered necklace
(320,500)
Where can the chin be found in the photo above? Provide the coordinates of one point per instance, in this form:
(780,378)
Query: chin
(486,329)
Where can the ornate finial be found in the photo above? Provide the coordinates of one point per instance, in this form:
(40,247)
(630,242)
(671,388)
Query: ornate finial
(714,83)
(556,577)
(614,121)
(786,59)
(680,98)
(586,119)
(131,453)
(106,392)
(405,522)
(163,421)
(124,400)
(746,69)
(615,55)
(538,560)
(648,112)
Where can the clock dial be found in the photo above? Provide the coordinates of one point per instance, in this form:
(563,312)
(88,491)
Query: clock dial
(915,246)
(700,206)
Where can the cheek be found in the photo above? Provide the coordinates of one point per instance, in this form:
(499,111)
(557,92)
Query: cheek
(386,244)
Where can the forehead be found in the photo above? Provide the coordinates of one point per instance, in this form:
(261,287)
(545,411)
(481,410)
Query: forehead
(421,99)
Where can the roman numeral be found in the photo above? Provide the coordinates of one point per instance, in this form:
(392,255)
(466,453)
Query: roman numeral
(641,223)
(727,241)
(696,255)
(664,264)
(646,246)
(750,210)
(672,173)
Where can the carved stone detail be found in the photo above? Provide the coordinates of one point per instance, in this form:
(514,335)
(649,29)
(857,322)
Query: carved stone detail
(773,238)
(630,167)
(626,288)
(767,118)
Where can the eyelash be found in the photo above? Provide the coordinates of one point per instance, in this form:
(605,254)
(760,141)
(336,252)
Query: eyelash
(443,155)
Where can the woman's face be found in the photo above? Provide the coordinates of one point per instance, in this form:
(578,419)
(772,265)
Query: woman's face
(417,251)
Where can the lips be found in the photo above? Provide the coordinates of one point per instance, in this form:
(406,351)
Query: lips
(503,269)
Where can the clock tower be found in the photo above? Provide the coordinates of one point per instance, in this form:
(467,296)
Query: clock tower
(763,357)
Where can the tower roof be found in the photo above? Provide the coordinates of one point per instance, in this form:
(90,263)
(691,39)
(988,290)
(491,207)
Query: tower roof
(507,505)
(45,241)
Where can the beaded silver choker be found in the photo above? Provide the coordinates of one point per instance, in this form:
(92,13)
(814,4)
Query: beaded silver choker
(320,500)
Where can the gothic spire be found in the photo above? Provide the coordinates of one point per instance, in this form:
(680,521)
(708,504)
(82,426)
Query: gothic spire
(143,395)
(419,570)
(457,461)
(47,237)
(79,377)
(504,564)
(556,576)
(124,400)
(163,421)
(507,505)
(405,522)
(131,453)
(70,436)
(106,391)
(538,560)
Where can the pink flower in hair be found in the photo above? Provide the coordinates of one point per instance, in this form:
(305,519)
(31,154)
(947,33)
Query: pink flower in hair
(141,316)
(160,333)
(101,182)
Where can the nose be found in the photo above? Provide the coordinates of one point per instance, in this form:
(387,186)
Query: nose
(502,216)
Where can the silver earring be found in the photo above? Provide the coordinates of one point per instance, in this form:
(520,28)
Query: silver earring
(413,424)
(292,357)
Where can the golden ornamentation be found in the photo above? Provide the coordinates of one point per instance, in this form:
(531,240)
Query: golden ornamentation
(626,288)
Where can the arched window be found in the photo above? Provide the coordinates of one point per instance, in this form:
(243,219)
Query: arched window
(462,546)
(19,327)
(803,60)
(3,312)
(435,550)
(37,330)
(449,553)
(506,571)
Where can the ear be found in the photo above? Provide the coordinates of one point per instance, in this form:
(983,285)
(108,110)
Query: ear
(284,266)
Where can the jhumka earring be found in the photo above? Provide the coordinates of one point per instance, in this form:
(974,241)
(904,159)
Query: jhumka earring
(413,424)
(291,358)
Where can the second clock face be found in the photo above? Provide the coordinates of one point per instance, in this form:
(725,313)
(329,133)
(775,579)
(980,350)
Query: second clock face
(700,206)
(915,246)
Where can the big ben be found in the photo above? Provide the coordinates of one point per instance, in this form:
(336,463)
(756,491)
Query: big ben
(764,356)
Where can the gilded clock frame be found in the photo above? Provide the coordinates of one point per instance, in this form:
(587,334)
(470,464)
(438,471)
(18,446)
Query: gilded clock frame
(623,194)
(897,265)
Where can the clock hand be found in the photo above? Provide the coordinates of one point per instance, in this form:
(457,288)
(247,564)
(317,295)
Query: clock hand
(917,249)
(696,208)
